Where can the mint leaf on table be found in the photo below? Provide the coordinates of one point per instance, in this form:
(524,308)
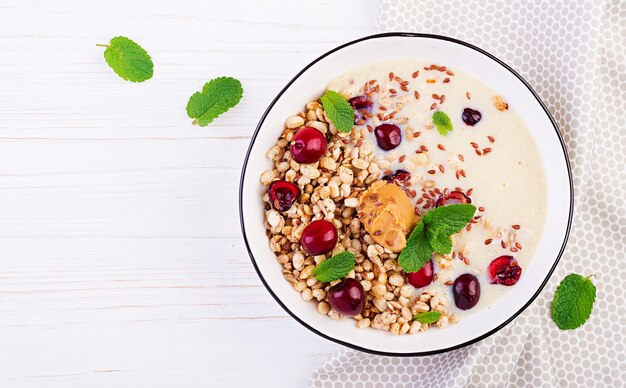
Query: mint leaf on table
(427,317)
(573,302)
(433,234)
(128,59)
(217,96)
(338,110)
(451,218)
(442,121)
(334,268)
(417,251)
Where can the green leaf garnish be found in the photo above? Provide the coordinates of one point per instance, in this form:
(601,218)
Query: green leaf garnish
(217,96)
(335,267)
(433,234)
(338,110)
(417,251)
(128,59)
(573,302)
(427,317)
(442,121)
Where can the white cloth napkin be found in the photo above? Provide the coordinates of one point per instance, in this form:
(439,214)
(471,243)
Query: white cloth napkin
(572,53)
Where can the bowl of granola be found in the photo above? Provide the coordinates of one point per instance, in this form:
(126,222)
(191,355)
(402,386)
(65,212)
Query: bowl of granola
(406,194)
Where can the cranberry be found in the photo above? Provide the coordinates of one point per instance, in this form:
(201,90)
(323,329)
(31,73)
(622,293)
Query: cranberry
(360,103)
(466,290)
(423,277)
(504,270)
(308,145)
(471,116)
(347,297)
(399,176)
(282,195)
(319,237)
(388,136)
(452,198)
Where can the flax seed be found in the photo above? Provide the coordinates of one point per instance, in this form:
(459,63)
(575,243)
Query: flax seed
(442,99)
(474,145)
(457,174)
(441,168)
(441,147)
(502,244)
(432,172)
(401,158)
(392,91)
(491,139)
(378,233)
(488,241)
(518,245)
(372,82)
(467,94)
(448,72)
(448,283)
(397,79)
(433,106)
(516,226)
(415,74)
(446,80)
(417,95)
(469,192)
(370,129)
(435,96)
(404,88)
(424,148)
(513,249)
(486,150)
(462,172)
(481,209)
(420,200)
(461,158)
(416,134)
(478,152)
(390,75)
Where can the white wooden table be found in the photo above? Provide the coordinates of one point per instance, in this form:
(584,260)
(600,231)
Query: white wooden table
(121,258)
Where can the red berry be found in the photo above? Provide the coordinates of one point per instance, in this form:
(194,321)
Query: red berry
(423,277)
(388,136)
(347,297)
(308,145)
(471,116)
(319,237)
(282,195)
(360,103)
(466,291)
(504,270)
(398,177)
(452,198)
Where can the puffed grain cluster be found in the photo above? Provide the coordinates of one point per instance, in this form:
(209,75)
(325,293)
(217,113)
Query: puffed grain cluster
(330,190)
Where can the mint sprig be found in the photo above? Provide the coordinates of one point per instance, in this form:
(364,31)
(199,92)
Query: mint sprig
(128,59)
(573,302)
(334,268)
(442,121)
(433,234)
(338,110)
(427,317)
(217,96)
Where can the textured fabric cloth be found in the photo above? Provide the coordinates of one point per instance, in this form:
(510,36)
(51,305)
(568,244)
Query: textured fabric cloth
(573,54)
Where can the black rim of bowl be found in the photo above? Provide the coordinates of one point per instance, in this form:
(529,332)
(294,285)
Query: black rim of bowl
(437,351)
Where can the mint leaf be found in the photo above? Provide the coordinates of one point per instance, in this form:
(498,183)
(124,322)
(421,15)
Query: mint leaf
(338,110)
(427,317)
(451,218)
(442,121)
(128,59)
(217,96)
(573,302)
(335,267)
(417,251)
(439,239)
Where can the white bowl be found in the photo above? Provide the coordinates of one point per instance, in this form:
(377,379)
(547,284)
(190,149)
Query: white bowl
(308,85)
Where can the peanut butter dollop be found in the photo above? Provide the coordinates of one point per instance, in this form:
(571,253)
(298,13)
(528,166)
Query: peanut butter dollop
(388,214)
